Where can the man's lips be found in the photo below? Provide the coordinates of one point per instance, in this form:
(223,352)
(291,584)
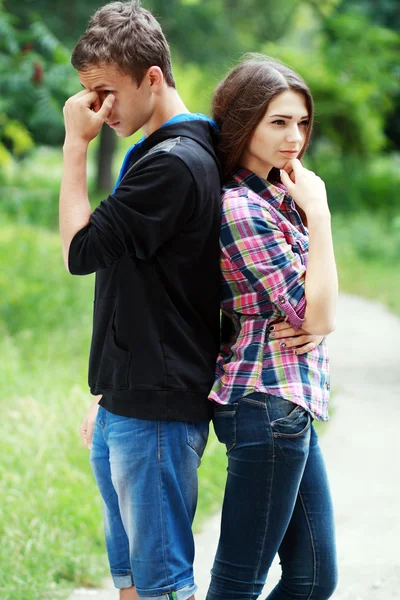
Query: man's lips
(114,124)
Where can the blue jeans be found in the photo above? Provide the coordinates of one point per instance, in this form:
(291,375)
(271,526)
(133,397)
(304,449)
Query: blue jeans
(147,475)
(277,500)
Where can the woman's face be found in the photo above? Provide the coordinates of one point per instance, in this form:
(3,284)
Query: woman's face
(279,136)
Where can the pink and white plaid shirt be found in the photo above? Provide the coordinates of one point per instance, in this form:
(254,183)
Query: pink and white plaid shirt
(264,248)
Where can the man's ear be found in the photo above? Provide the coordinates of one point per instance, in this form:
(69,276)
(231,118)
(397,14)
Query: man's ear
(155,78)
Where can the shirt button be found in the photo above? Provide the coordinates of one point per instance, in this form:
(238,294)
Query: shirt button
(328,387)
(281,299)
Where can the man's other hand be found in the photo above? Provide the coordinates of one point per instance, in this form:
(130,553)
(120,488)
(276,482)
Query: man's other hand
(86,429)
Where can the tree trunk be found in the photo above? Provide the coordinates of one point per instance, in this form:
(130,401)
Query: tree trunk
(105,181)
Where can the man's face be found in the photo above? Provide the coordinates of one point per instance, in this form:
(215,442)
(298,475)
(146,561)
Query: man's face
(133,105)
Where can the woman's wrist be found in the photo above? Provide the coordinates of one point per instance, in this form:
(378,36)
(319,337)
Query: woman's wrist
(317,213)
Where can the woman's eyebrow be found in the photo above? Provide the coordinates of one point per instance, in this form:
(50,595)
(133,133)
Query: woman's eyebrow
(287,117)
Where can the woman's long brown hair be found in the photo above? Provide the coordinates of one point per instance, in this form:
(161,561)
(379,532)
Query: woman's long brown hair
(241,101)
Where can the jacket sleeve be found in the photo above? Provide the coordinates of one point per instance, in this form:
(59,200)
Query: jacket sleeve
(252,241)
(146,209)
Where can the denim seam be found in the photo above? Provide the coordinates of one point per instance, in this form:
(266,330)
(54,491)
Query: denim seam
(296,408)
(103,430)
(250,400)
(161,497)
(269,500)
(117,574)
(312,545)
(172,589)
(188,440)
(291,436)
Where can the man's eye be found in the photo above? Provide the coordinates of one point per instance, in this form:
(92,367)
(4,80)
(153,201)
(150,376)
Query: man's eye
(107,92)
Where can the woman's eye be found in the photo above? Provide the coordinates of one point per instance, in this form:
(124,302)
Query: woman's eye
(278,122)
(304,123)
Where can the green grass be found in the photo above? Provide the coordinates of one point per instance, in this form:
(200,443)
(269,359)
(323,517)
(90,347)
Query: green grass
(50,514)
(367,248)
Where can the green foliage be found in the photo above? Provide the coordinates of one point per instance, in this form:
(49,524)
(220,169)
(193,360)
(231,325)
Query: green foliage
(35,80)
(40,283)
(206,33)
(353,90)
(355,184)
(30,189)
(367,251)
(384,12)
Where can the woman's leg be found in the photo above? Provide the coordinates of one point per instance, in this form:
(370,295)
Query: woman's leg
(268,440)
(307,552)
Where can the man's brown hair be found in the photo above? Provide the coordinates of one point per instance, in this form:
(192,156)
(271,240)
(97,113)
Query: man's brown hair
(127,35)
(242,98)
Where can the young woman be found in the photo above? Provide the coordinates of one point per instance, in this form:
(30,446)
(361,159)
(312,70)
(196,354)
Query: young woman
(279,289)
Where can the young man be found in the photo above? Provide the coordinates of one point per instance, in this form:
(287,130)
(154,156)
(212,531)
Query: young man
(153,244)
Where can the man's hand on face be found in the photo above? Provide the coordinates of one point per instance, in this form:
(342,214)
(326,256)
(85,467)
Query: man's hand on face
(84,115)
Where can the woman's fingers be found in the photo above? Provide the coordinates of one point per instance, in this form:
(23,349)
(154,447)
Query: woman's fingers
(294,342)
(301,344)
(284,329)
(304,349)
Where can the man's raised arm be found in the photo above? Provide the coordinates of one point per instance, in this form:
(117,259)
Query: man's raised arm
(84,117)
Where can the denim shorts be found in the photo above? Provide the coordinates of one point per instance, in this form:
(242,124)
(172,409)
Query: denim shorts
(147,475)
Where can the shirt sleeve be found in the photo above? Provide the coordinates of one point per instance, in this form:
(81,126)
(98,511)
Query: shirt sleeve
(146,209)
(253,242)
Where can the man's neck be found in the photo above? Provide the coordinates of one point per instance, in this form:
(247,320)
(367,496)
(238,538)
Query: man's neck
(169,105)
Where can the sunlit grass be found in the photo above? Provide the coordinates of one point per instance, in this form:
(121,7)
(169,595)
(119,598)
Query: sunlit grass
(50,512)
(367,248)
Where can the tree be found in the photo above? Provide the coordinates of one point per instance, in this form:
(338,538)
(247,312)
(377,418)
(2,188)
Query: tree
(34,78)
(207,35)
(387,14)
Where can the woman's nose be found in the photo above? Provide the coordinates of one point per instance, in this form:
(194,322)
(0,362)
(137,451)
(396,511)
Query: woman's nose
(294,134)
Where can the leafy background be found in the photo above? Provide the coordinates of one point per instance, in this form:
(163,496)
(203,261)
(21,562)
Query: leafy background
(347,50)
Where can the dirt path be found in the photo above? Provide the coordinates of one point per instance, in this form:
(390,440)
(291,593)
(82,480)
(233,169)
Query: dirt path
(362,451)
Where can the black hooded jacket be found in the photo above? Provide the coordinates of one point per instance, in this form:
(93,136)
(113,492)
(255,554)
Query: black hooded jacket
(154,244)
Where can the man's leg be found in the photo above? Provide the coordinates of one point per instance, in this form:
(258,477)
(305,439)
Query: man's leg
(154,473)
(115,535)
(128,594)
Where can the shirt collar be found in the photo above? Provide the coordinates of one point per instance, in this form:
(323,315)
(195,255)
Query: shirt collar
(275,193)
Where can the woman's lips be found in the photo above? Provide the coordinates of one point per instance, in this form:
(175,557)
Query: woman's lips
(290,152)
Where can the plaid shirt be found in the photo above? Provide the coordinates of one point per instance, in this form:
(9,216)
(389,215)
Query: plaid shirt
(264,248)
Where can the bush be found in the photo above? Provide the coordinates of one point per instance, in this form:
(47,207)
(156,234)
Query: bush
(30,188)
(36,292)
(357,185)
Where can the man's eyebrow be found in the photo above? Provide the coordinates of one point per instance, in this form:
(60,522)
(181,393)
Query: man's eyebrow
(102,85)
(288,117)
